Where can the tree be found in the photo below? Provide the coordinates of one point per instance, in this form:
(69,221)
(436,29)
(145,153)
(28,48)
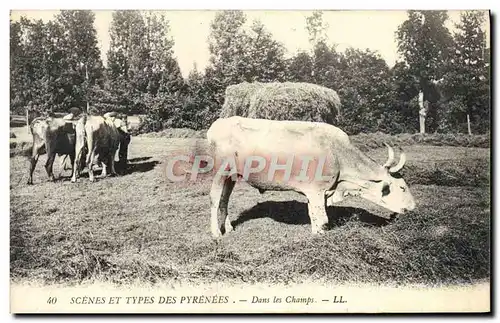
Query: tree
(47,61)
(424,43)
(126,61)
(17,86)
(466,84)
(227,45)
(325,59)
(364,86)
(300,68)
(264,57)
(143,75)
(316,28)
(81,64)
(33,60)
(196,112)
(405,91)
(326,66)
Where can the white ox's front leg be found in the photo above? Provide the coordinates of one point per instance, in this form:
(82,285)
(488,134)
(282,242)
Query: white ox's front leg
(317,211)
(219,200)
(215,195)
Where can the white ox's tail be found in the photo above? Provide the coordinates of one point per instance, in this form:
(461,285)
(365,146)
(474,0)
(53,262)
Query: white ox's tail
(189,158)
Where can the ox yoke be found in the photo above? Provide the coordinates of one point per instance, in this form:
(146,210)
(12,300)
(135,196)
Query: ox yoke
(284,141)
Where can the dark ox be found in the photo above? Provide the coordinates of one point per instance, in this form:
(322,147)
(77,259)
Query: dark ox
(100,137)
(53,136)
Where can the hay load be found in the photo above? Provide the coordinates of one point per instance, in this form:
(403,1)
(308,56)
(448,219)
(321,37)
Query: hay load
(282,101)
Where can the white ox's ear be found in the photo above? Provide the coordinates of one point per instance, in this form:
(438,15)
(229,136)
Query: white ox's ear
(343,190)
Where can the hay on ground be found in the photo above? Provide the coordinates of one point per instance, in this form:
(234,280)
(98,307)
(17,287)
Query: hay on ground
(282,101)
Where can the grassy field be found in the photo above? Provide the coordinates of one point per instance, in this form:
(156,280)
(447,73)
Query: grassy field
(141,228)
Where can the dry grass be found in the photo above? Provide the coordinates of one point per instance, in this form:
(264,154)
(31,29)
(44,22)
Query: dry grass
(282,101)
(375,140)
(176,133)
(141,227)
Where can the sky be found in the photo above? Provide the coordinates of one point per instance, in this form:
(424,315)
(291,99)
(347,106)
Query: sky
(374,30)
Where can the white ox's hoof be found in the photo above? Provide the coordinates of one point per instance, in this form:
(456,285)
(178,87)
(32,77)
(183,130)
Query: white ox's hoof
(228,228)
(216,234)
(318,232)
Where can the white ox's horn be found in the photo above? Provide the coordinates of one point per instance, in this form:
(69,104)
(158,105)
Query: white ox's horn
(391,156)
(401,163)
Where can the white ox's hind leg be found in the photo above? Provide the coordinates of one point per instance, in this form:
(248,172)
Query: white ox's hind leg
(317,211)
(219,200)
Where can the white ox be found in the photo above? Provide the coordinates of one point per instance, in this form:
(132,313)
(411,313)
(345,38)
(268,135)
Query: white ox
(100,137)
(286,155)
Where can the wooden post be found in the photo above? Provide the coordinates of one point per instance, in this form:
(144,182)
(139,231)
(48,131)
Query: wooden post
(27,121)
(87,77)
(422,111)
(468,124)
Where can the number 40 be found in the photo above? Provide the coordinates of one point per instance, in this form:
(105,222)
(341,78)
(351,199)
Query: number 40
(52,300)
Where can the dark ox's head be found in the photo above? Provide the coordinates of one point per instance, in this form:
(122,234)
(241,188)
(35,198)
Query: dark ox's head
(386,187)
(119,120)
(121,125)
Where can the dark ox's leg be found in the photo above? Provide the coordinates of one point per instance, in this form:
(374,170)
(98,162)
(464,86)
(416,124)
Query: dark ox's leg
(219,199)
(78,160)
(72,160)
(90,163)
(105,166)
(48,166)
(102,159)
(63,165)
(51,156)
(37,150)
(123,152)
(111,161)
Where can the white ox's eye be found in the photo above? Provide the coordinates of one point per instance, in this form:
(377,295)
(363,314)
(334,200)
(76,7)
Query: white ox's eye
(385,190)
(403,188)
